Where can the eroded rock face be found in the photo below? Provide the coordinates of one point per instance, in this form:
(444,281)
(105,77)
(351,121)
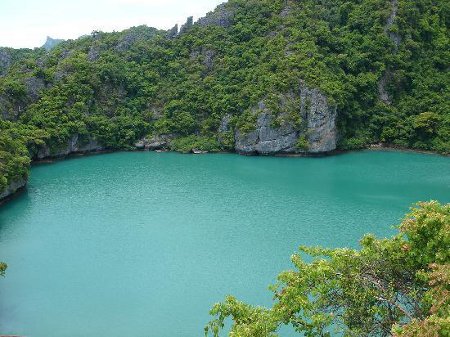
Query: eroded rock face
(222,16)
(74,145)
(34,87)
(206,56)
(318,129)
(13,188)
(51,43)
(321,130)
(11,108)
(266,139)
(383,93)
(161,142)
(188,25)
(5,60)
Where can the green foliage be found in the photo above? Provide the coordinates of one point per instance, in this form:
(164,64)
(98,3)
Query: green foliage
(302,143)
(397,285)
(191,143)
(246,123)
(14,159)
(118,87)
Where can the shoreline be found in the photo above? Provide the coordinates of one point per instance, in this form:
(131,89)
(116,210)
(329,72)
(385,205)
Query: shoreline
(13,196)
(393,148)
(373,147)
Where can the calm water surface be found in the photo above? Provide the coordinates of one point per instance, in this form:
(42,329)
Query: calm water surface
(142,244)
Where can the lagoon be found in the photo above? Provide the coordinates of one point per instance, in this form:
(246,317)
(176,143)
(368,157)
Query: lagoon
(143,244)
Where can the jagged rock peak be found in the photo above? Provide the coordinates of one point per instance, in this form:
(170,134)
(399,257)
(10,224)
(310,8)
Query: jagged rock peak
(222,16)
(51,43)
(173,32)
(189,23)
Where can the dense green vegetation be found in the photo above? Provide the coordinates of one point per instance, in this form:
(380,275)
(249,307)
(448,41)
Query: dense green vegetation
(119,87)
(398,286)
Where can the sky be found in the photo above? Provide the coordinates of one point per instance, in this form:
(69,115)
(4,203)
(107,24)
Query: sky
(27,23)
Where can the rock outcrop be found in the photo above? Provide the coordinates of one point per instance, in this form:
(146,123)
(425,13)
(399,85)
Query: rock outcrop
(51,43)
(173,32)
(5,60)
(11,107)
(161,142)
(188,25)
(321,133)
(205,56)
(75,144)
(12,188)
(317,133)
(383,83)
(266,139)
(222,16)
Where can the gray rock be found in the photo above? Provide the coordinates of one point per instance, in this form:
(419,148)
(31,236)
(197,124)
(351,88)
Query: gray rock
(161,142)
(12,188)
(173,32)
(321,120)
(140,145)
(225,124)
(93,53)
(286,10)
(34,86)
(5,60)
(266,139)
(386,78)
(51,43)
(133,35)
(189,23)
(318,129)
(206,56)
(74,145)
(395,37)
(11,108)
(222,16)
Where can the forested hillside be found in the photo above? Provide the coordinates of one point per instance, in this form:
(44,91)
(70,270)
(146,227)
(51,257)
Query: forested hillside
(254,76)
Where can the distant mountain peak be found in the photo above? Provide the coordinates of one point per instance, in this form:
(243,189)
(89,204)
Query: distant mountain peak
(51,43)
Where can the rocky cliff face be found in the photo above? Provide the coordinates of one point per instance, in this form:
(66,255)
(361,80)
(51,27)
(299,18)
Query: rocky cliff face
(266,139)
(383,92)
(222,16)
(316,133)
(12,188)
(160,142)
(51,43)
(5,60)
(321,133)
(10,109)
(76,144)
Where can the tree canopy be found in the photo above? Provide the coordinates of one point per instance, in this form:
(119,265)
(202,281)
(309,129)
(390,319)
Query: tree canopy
(390,287)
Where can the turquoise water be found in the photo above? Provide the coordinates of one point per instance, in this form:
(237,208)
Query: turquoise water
(142,244)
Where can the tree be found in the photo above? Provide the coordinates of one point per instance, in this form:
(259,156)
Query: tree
(398,286)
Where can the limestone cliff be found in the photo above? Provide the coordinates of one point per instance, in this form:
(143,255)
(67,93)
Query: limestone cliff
(51,43)
(315,134)
(383,84)
(12,188)
(76,144)
(222,16)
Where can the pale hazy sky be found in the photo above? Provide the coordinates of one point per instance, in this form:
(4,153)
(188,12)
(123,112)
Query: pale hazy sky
(26,23)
